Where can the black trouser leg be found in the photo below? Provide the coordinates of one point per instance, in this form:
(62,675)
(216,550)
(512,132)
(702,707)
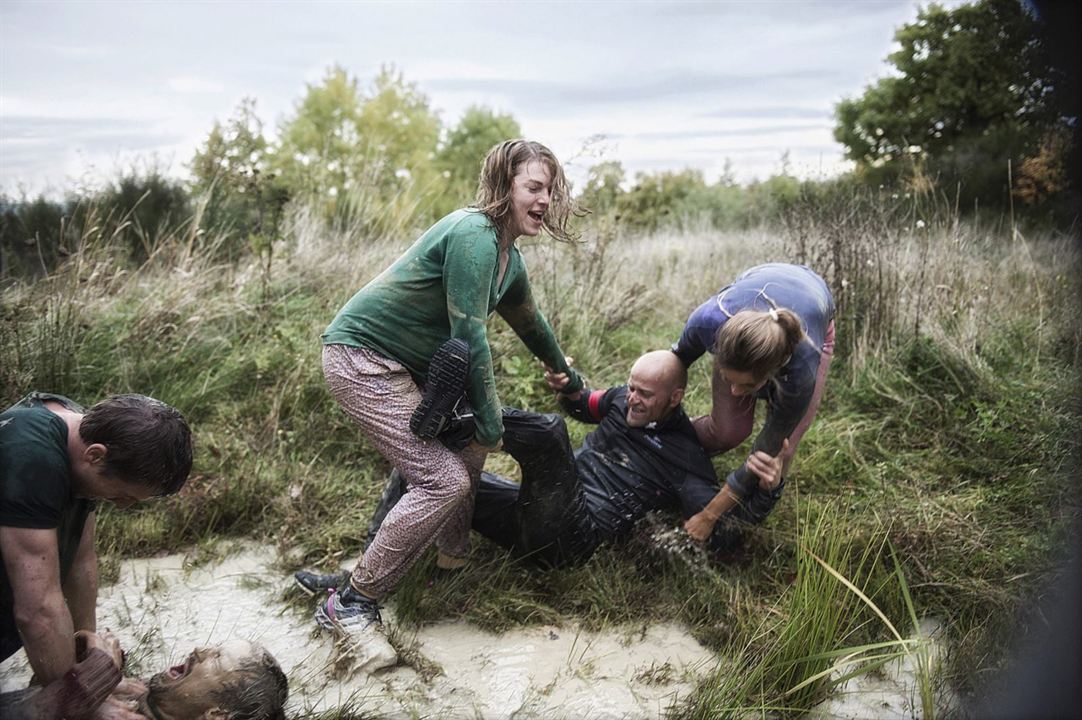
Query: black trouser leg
(554,526)
(392,493)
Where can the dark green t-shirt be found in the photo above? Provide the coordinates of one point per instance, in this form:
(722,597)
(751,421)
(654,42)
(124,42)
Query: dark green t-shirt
(35,485)
(444,286)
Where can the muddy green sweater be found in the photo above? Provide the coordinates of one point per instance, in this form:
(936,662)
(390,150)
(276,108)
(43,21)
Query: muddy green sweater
(444,286)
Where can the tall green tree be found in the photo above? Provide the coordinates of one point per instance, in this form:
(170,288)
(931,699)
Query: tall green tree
(319,143)
(231,170)
(602,192)
(972,90)
(360,153)
(464,149)
(398,133)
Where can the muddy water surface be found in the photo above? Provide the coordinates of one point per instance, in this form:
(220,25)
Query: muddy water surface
(160,612)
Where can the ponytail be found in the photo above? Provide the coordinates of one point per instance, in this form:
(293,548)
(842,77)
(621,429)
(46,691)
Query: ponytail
(758,342)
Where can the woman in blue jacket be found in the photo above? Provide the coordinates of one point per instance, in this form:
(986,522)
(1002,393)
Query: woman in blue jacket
(772,336)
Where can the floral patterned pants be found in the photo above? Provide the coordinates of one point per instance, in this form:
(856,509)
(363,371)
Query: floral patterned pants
(380,395)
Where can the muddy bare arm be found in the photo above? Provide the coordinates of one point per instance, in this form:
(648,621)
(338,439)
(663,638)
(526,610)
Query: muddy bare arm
(41,614)
(81,585)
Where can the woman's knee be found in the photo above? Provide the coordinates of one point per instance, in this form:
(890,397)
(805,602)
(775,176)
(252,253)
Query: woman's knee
(440,475)
(456,486)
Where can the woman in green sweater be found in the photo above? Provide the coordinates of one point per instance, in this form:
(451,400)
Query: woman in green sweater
(378,348)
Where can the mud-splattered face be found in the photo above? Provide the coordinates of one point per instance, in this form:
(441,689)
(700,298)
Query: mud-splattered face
(190,689)
(531,191)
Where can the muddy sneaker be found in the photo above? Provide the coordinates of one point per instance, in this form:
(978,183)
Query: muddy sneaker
(356,623)
(443,389)
(314,584)
(347,610)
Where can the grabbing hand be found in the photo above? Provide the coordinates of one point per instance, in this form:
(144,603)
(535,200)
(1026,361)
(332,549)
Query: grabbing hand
(85,641)
(768,468)
(477,447)
(129,689)
(116,709)
(699,526)
(558,381)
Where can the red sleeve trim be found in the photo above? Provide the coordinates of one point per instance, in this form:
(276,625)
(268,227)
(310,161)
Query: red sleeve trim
(594,404)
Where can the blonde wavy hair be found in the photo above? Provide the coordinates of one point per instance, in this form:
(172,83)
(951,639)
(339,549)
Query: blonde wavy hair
(501,165)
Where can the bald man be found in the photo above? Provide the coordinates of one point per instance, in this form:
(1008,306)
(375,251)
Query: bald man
(643,456)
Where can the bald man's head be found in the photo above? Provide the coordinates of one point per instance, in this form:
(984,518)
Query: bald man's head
(655,387)
(664,366)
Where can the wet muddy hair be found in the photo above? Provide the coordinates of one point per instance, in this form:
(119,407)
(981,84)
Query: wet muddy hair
(259,691)
(147,442)
(498,172)
(759,342)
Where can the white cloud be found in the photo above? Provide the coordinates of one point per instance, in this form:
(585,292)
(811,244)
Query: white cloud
(192,84)
(672,86)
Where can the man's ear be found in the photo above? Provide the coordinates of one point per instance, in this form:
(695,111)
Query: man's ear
(677,397)
(95,454)
(215,713)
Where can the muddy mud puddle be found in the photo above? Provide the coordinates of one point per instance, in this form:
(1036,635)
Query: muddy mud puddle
(160,612)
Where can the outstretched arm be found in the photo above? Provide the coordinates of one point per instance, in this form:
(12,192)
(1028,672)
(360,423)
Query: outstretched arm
(467,276)
(87,691)
(526,319)
(767,469)
(697,337)
(585,405)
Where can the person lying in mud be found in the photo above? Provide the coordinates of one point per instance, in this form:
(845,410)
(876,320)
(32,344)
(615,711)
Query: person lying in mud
(643,456)
(56,459)
(237,680)
(772,336)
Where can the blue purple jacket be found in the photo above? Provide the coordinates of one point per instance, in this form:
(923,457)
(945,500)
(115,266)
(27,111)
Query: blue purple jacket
(774,285)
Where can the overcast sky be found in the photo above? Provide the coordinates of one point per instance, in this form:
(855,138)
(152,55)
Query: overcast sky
(87,87)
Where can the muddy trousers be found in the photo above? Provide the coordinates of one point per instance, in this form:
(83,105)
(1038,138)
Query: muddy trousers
(380,395)
(547,520)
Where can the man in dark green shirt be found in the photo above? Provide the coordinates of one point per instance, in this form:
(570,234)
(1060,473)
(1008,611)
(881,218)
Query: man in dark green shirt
(55,460)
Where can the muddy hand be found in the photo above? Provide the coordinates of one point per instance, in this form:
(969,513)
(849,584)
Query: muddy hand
(482,450)
(129,690)
(557,381)
(113,709)
(768,468)
(699,526)
(85,641)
